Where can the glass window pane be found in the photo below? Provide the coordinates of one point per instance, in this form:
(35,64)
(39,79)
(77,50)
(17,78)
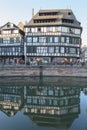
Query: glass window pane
(56,39)
(67,50)
(58,29)
(77,31)
(29,39)
(62,50)
(49,39)
(48,29)
(62,39)
(42,39)
(67,39)
(64,29)
(57,50)
(51,50)
(72,50)
(35,39)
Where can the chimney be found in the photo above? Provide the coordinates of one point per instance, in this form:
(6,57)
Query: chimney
(32,12)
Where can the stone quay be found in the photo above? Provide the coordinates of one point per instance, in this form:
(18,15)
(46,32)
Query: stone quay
(33,71)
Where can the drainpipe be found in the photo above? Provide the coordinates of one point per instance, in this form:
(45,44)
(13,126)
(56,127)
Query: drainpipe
(25,51)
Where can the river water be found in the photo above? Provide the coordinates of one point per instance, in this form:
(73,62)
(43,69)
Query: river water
(48,103)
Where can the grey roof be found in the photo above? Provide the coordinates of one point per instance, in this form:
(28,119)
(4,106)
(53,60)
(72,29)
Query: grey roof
(9,25)
(54,17)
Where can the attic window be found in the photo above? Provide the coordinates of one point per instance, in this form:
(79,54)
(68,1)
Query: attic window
(11,25)
(47,13)
(67,20)
(8,25)
(69,13)
(39,29)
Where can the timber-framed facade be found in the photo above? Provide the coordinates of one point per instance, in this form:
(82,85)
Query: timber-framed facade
(53,35)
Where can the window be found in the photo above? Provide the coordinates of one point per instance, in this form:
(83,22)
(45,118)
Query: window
(67,50)
(34,49)
(72,30)
(15,31)
(29,39)
(56,39)
(35,39)
(64,29)
(70,40)
(1,40)
(72,50)
(42,50)
(49,39)
(78,41)
(48,29)
(77,31)
(62,50)
(31,49)
(42,39)
(78,51)
(11,40)
(67,20)
(51,50)
(67,39)
(16,49)
(73,40)
(29,100)
(69,13)
(6,40)
(50,92)
(6,31)
(57,50)
(34,101)
(39,29)
(58,29)
(17,39)
(27,29)
(62,39)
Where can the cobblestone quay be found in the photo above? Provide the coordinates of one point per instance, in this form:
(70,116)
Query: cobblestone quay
(71,71)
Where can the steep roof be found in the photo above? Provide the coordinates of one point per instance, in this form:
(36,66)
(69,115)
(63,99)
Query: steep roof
(54,17)
(9,25)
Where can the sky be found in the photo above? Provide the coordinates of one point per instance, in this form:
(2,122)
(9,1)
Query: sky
(16,11)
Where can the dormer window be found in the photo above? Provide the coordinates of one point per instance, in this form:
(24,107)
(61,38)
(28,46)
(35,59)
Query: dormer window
(67,20)
(10,25)
(69,13)
(39,29)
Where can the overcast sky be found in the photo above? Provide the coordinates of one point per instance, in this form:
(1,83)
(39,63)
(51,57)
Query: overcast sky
(21,10)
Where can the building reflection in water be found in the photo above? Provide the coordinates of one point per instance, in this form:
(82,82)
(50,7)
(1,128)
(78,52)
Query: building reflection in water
(11,99)
(52,106)
(46,105)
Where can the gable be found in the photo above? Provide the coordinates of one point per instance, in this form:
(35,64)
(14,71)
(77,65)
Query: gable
(9,26)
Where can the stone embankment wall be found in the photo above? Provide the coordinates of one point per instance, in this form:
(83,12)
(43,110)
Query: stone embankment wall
(43,71)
